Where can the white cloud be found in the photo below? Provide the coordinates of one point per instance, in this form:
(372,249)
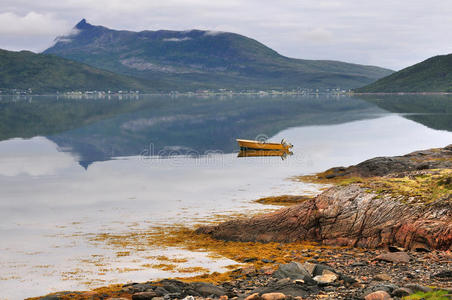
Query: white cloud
(34,24)
(67,37)
(212,32)
(320,35)
(385,32)
(177,39)
(32,157)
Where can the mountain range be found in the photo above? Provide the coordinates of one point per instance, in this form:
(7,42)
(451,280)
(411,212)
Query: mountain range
(98,58)
(198,59)
(431,75)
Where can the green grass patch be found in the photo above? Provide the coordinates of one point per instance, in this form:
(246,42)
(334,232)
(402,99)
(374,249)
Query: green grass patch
(416,187)
(434,295)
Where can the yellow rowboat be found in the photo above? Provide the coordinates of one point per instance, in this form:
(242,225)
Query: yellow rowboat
(258,145)
(255,153)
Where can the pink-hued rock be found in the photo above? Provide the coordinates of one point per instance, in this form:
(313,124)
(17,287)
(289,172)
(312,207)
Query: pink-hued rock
(254,296)
(273,296)
(348,216)
(378,295)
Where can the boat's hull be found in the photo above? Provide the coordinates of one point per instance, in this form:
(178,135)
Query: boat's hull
(256,145)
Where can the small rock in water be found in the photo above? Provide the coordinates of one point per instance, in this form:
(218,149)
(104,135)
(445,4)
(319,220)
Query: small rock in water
(378,295)
(394,257)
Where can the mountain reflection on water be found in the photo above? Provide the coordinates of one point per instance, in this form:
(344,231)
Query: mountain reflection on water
(433,111)
(98,129)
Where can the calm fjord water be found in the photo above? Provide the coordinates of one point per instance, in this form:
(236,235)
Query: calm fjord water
(73,168)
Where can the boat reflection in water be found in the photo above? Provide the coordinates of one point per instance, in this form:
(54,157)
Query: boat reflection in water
(253,153)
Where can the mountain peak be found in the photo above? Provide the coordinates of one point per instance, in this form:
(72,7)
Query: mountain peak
(82,24)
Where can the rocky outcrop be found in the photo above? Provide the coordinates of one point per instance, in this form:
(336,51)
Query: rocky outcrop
(348,216)
(381,166)
(353,215)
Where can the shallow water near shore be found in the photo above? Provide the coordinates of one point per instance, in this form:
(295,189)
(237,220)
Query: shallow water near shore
(119,166)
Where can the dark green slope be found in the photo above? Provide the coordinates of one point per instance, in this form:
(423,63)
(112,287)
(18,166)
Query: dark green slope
(187,60)
(49,73)
(431,75)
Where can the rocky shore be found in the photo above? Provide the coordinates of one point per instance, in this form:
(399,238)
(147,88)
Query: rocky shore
(391,217)
(403,201)
(370,274)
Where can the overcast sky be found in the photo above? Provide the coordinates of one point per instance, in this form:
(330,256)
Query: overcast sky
(387,33)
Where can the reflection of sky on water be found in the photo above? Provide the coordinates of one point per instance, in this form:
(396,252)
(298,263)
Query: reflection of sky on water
(46,196)
(34,157)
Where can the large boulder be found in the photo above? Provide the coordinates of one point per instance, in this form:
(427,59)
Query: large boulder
(293,270)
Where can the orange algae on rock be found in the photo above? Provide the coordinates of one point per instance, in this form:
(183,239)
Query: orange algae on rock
(192,270)
(164,267)
(114,290)
(283,200)
(185,238)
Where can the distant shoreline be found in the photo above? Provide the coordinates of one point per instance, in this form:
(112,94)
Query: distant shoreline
(404,93)
(229,93)
(210,93)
